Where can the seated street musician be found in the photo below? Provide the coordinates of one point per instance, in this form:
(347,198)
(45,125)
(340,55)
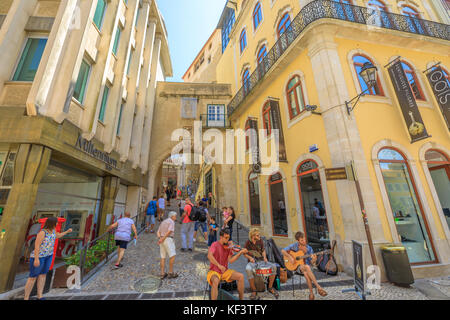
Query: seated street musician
(257,259)
(220,254)
(305,268)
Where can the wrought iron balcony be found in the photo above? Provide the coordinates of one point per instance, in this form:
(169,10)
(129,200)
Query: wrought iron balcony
(328,9)
(214,120)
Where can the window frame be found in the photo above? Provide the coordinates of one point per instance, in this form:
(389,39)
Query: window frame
(379,85)
(413,73)
(257,13)
(283,25)
(293,89)
(20,58)
(243,40)
(82,100)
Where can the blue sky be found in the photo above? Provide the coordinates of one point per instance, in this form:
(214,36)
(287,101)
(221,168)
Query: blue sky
(189,24)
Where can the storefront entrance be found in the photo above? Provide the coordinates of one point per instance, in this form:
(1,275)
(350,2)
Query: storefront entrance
(313,209)
(407,210)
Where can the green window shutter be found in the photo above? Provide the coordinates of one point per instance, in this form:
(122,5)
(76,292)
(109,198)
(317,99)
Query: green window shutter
(100,13)
(101,115)
(116,41)
(80,86)
(30,59)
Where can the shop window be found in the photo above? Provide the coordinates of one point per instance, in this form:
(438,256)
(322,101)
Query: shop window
(82,81)
(278,205)
(408,215)
(358,63)
(257,16)
(284,24)
(413,81)
(439,166)
(253,191)
(100,13)
(295,98)
(30,59)
(313,209)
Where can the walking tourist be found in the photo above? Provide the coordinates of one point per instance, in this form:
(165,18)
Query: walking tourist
(151,212)
(123,236)
(255,256)
(202,221)
(187,228)
(42,256)
(168,194)
(161,208)
(220,255)
(305,269)
(167,245)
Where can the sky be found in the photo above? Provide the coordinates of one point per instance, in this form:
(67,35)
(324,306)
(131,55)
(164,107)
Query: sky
(189,25)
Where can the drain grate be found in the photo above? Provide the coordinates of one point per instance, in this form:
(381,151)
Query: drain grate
(147,285)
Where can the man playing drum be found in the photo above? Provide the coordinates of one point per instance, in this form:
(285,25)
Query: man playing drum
(258,263)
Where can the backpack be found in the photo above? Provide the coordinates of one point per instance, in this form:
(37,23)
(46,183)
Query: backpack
(202,216)
(195,213)
(327,263)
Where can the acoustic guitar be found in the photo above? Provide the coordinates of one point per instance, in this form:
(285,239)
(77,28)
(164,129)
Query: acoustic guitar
(299,258)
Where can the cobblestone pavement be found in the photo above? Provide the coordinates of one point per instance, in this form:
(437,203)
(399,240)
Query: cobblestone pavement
(141,263)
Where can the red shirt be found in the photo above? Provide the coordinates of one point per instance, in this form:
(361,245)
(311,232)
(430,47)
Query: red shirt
(221,255)
(187,210)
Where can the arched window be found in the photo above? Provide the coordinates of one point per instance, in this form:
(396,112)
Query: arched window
(413,20)
(312,202)
(253,192)
(413,81)
(243,40)
(358,63)
(262,53)
(284,24)
(267,118)
(439,166)
(278,205)
(246,81)
(406,208)
(383,20)
(294,93)
(257,15)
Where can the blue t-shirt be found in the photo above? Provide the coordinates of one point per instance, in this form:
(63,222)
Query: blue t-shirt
(213,232)
(151,210)
(295,247)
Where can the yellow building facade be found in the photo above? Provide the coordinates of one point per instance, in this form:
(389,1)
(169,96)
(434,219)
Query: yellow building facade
(302,59)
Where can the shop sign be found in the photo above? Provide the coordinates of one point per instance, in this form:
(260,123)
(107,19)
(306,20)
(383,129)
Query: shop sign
(336,174)
(441,90)
(407,101)
(89,148)
(358,266)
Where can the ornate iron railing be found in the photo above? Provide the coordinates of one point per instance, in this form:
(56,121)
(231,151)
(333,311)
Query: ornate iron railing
(328,9)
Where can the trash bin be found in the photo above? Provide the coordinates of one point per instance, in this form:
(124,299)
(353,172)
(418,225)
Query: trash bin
(396,263)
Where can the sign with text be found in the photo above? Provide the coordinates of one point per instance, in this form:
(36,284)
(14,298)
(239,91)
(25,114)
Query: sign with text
(441,89)
(358,266)
(407,101)
(336,174)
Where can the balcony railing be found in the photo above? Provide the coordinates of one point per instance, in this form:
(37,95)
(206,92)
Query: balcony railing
(214,120)
(321,9)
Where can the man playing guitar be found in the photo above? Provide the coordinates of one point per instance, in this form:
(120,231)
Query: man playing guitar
(220,254)
(305,268)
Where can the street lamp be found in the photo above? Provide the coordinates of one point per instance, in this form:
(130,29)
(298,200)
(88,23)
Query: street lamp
(369,74)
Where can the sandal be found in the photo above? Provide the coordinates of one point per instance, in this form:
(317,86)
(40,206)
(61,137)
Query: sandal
(163,276)
(322,292)
(172,275)
(274,292)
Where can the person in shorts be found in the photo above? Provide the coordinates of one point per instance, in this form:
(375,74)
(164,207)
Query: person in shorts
(161,208)
(123,236)
(220,255)
(203,225)
(167,245)
(43,250)
(151,212)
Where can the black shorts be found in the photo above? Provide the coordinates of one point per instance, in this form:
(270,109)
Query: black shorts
(122,244)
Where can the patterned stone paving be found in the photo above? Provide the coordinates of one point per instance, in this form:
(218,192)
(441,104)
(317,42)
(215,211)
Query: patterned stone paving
(141,262)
